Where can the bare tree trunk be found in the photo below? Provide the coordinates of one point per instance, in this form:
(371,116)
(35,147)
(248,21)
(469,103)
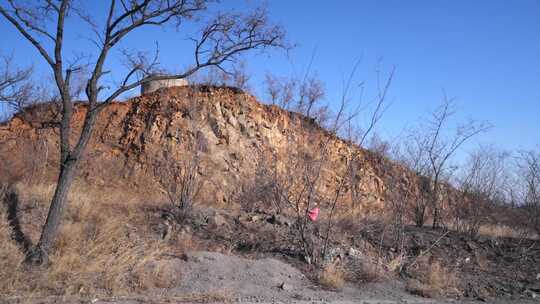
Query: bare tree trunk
(419,216)
(436,212)
(39,255)
(436,217)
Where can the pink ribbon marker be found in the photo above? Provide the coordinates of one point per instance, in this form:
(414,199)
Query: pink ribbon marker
(313,213)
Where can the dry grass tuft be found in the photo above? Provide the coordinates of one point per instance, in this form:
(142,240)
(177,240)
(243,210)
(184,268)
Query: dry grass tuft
(433,280)
(395,264)
(332,276)
(370,270)
(441,278)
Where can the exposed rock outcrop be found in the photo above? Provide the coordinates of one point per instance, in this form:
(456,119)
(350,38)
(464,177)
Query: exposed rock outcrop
(134,139)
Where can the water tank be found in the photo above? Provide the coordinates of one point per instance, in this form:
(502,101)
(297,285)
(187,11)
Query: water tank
(154,85)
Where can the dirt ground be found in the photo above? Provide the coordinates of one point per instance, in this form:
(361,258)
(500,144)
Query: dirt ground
(210,277)
(259,263)
(484,267)
(251,257)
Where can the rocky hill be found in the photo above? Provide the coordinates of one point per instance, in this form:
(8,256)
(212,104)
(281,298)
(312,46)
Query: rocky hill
(137,140)
(240,145)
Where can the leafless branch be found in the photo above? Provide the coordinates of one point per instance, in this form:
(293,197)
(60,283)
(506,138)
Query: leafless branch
(15,86)
(430,149)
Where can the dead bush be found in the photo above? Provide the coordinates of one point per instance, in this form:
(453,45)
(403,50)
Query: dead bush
(432,279)
(441,278)
(369,270)
(262,190)
(332,276)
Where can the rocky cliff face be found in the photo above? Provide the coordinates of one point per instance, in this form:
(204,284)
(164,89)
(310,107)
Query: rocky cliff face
(135,141)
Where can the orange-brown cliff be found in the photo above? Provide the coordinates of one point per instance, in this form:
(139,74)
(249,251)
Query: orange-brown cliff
(134,139)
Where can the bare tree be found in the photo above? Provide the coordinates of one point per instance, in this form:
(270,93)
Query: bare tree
(412,155)
(281,91)
(238,77)
(529,170)
(298,189)
(297,184)
(311,92)
(398,197)
(380,146)
(353,126)
(482,178)
(302,95)
(430,150)
(43,24)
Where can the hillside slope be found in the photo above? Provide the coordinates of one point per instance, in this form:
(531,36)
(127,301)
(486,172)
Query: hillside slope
(118,227)
(135,140)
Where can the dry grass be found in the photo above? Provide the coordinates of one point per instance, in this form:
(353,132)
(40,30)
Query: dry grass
(371,262)
(332,276)
(369,269)
(102,248)
(440,278)
(433,280)
(395,264)
(10,258)
(504,231)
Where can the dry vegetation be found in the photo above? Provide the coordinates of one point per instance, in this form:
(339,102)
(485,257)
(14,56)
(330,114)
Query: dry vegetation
(433,280)
(505,231)
(332,276)
(93,254)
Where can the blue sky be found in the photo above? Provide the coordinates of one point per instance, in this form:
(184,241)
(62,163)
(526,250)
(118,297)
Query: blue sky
(485,53)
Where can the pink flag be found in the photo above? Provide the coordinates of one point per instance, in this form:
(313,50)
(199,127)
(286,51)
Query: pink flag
(313,213)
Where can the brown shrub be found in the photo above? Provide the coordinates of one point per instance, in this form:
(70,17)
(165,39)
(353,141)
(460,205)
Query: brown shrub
(441,278)
(433,280)
(370,271)
(332,276)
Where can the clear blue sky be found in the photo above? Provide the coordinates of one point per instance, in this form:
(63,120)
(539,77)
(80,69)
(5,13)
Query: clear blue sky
(485,53)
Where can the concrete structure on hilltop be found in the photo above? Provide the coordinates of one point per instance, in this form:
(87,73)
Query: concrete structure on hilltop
(155,85)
